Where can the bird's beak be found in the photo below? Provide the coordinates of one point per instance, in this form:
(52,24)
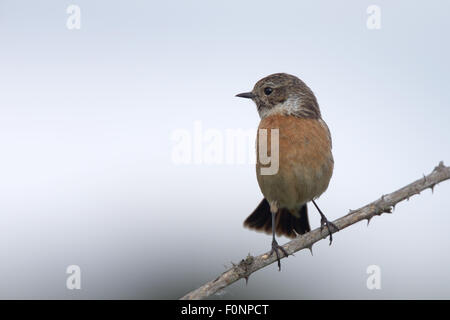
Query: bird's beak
(248,95)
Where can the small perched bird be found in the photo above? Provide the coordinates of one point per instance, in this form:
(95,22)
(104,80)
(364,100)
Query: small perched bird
(305,162)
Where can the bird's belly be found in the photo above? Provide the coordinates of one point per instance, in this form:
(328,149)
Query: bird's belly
(305,162)
(295,185)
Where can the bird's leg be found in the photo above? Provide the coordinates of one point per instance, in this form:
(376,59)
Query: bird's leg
(275,245)
(324,222)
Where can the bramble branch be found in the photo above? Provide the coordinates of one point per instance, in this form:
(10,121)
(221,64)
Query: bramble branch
(385,204)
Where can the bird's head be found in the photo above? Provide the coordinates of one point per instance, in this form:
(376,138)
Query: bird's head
(284,94)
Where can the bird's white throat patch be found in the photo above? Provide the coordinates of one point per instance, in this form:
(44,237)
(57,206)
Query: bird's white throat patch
(291,106)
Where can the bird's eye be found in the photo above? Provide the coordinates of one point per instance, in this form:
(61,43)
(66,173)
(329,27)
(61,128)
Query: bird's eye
(268,90)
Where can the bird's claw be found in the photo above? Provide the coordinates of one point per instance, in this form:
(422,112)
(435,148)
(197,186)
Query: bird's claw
(275,248)
(325,223)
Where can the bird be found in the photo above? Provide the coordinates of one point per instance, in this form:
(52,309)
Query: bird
(288,107)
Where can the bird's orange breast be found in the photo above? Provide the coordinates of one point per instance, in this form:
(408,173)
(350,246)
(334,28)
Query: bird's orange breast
(305,160)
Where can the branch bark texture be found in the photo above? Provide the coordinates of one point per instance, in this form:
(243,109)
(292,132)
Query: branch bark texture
(385,204)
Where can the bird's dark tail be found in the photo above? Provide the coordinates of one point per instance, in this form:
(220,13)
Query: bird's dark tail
(286,223)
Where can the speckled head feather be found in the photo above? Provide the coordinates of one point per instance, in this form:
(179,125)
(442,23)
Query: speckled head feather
(283,93)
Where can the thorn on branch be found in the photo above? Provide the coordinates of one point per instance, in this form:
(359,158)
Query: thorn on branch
(440,166)
(244,267)
(310,249)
